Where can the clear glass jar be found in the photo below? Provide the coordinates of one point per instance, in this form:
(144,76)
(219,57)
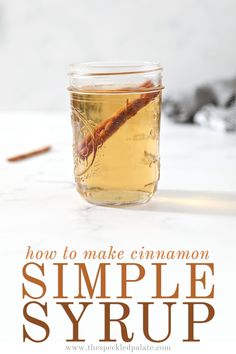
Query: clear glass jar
(115,112)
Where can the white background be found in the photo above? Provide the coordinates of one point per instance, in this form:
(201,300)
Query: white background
(194,41)
(196,204)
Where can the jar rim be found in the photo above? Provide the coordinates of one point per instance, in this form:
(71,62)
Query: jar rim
(110,68)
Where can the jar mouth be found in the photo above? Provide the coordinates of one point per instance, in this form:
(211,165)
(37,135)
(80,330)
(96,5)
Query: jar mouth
(111,68)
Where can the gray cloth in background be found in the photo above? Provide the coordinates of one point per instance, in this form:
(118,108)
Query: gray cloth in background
(212,105)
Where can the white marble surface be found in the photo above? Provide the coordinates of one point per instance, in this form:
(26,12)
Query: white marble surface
(194,208)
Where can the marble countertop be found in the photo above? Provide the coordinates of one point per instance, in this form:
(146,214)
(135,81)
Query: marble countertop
(198,171)
(198,182)
(194,208)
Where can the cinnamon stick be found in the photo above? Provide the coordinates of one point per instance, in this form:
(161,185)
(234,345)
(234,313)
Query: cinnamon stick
(29,154)
(108,127)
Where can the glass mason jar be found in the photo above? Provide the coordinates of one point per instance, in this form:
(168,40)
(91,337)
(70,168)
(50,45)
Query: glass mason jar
(115,112)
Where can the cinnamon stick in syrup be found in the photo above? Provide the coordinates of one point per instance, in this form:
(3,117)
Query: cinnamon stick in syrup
(108,127)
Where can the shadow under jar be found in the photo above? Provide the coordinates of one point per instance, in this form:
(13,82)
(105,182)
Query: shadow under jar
(115,112)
